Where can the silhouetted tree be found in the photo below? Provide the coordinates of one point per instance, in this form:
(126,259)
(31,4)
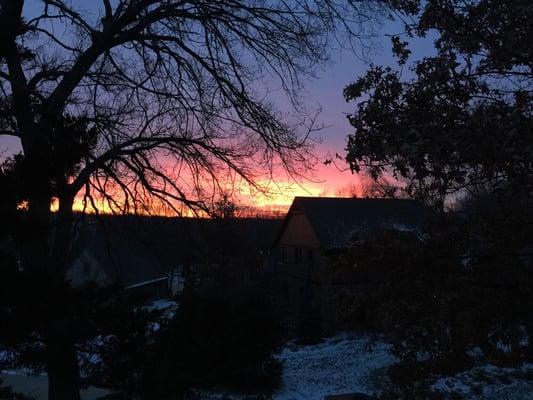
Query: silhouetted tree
(220,338)
(145,103)
(224,208)
(378,187)
(461,128)
(466,118)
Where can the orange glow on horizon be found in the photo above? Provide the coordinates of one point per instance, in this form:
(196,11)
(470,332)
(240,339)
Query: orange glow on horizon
(274,198)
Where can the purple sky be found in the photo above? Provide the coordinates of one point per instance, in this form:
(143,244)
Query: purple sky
(326,92)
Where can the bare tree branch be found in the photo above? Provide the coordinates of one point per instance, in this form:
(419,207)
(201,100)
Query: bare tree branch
(177,81)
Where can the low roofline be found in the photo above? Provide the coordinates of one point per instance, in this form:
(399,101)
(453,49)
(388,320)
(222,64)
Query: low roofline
(352,198)
(294,208)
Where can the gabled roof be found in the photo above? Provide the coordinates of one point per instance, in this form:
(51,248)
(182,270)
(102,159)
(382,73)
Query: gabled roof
(338,221)
(125,256)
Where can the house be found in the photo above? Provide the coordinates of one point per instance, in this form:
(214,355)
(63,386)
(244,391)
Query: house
(131,253)
(314,232)
(155,254)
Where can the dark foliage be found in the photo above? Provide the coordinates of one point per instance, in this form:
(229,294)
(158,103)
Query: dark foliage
(235,332)
(466,118)
(459,132)
(102,317)
(218,339)
(150,106)
(13,195)
(446,301)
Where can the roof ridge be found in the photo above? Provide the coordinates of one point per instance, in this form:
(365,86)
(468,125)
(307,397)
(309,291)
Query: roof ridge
(336,220)
(350,198)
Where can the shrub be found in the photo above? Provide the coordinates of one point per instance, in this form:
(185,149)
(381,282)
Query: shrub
(225,338)
(220,338)
(437,304)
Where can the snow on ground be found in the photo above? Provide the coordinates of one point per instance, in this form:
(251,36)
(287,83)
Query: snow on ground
(162,304)
(37,386)
(488,382)
(166,306)
(341,364)
(347,363)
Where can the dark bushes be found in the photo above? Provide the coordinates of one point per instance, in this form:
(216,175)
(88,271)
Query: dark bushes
(446,301)
(220,338)
(225,338)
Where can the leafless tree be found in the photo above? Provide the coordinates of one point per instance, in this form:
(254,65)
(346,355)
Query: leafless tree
(139,101)
(379,188)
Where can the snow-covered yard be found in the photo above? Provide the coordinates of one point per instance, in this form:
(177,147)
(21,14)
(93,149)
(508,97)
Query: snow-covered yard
(348,363)
(488,382)
(37,386)
(345,363)
(341,364)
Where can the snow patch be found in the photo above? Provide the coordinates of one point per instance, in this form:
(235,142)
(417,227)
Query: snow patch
(166,306)
(341,364)
(489,382)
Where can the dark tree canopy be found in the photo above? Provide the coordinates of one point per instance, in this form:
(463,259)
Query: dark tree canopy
(167,93)
(466,118)
(148,103)
(458,130)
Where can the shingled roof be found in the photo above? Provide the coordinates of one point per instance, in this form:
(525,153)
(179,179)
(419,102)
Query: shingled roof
(339,221)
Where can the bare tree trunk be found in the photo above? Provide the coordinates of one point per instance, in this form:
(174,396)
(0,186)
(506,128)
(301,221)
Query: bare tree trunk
(62,363)
(48,267)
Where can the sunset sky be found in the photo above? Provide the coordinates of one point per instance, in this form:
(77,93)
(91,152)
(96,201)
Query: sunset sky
(324,92)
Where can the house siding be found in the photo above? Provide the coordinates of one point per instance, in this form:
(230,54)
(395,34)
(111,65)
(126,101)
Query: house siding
(324,228)
(299,267)
(299,232)
(87,269)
